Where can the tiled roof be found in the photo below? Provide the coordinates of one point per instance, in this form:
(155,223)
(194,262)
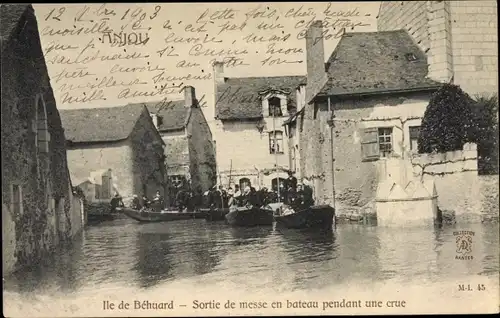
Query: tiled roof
(370,62)
(238,98)
(10,14)
(174,114)
(99,124)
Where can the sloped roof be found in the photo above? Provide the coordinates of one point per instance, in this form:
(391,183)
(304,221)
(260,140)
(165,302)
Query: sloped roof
(238,98)
(174,114)
(371,62)
(99,124)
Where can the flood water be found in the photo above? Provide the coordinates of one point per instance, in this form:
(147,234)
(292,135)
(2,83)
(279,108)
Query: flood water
(125,255)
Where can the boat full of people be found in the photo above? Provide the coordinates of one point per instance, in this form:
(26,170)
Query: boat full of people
(154,211)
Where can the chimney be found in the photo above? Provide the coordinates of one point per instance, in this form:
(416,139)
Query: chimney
(218,72)
(189,96)
(315,53)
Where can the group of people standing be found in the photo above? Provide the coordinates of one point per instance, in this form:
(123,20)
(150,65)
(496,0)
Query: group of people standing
(290,192)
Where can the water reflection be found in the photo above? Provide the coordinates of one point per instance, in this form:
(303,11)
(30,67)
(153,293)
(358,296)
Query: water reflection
(155,258)
(307,245)
(126,253)
(248,235)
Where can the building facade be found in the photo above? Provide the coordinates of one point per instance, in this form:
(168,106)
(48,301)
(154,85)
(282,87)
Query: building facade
(39,210)
(190,148)
(362,106)
(252,146)
(114,149)
(460,39)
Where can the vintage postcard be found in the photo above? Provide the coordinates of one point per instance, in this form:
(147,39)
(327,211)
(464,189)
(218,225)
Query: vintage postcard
(244,159)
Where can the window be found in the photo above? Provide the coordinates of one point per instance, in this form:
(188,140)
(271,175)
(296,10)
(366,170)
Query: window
(276,142)
(176,181)
(17,199)
(42,133)
(414,133)
(376,143)
(245,182)
(385,141)
(275,107)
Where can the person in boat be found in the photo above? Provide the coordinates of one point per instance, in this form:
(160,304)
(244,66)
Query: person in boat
(136,203)
(206,199)
(291,182)
(223,197)
(158,200)
(298,200)
(145,201)
(237,195)
(230,202)
(245,197)
(215,198)
(181,200)
(254,197)
(291,195)
(116,201)
(307,197)
(262,195)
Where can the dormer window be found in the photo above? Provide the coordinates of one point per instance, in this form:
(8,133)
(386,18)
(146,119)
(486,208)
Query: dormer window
(275,107)
(411,57)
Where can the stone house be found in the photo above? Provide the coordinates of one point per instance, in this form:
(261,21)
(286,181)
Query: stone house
(190,148)
(363,105)
(39,210)
(117,148)
(252,147)
(460,38)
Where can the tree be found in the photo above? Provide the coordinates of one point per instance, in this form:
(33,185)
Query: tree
(448,121)
(485,125)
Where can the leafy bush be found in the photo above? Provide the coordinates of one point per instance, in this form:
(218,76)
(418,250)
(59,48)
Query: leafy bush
(448,121)
(486,132)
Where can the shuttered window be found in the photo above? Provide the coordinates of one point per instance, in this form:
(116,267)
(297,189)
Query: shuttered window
(369,144)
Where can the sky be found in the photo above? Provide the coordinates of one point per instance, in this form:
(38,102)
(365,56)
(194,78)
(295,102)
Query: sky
(104,55)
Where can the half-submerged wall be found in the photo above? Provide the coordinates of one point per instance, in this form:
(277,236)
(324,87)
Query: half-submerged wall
(454,175)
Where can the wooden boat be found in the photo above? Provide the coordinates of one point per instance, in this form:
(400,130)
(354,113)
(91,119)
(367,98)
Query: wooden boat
(249,216)
(161,216)
(318,217)
(215,214)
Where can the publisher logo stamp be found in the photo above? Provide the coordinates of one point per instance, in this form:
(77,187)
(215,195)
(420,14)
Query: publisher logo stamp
(463,240)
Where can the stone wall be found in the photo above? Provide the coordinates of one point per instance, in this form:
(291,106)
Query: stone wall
(355,179)
(407,15)
(148,159)
(36,192)
(201,153)
(176,152)
(459,37)
(461,191)
(315,151)
(475,45)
